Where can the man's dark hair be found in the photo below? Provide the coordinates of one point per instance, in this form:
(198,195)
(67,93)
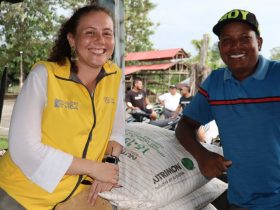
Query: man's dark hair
(61,49)
(136,79)
(188,88)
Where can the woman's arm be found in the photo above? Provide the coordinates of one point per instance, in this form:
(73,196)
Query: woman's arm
(117,139)
(42,164)
(105,172)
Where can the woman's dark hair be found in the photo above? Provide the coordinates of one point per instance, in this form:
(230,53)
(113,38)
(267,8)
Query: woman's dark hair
(61,49)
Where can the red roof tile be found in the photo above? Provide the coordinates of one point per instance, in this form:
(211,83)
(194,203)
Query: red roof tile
(154,55)
(155,67)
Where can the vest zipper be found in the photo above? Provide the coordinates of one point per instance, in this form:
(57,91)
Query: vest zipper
(89,136)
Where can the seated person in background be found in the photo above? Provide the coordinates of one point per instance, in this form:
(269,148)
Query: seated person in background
(184,100)
(206,133)
(136,99)
(170,101)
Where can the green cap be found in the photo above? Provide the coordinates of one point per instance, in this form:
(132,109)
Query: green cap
(237,15)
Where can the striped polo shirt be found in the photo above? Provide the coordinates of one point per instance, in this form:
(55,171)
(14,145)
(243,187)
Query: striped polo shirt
(247,114)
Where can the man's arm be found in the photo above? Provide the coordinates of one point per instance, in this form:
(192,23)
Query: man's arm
(210,164)
(128,101)
(147,101)
(178,110)
(161,99)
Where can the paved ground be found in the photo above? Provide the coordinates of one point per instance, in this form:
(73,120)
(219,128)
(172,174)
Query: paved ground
(6,116)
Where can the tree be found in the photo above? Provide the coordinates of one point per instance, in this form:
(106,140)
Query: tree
(138,27)
(215,60)
(275,53)
(213,56)
(29,27)
(208,59)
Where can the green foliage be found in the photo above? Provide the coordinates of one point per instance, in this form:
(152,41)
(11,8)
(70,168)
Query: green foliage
(138,26)
(275,53)
(31,27)
(214,60)
(3,143)
(28,27)
(213,55)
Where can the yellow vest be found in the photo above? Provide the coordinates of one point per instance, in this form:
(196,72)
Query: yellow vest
(73,121)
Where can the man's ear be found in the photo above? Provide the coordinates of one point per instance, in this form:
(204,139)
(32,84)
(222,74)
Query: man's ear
(71,40)
(260,42)
(219,43)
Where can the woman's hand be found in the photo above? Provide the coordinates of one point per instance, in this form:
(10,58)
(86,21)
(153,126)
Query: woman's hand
(97,187)
(105,172)
(114,148)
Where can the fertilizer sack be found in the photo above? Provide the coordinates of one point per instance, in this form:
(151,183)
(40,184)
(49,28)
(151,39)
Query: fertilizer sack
(200,198)
(155,170)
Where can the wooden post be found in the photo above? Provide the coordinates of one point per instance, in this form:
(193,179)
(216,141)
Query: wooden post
(194,79)
(203,51)
(197,71)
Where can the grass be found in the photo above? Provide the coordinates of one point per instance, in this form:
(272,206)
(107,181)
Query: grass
(13,89)
(3,143)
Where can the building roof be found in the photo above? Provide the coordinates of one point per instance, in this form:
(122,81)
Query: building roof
(154,67)
(156,55)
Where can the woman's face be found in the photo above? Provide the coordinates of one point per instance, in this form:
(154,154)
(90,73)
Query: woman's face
(94,40)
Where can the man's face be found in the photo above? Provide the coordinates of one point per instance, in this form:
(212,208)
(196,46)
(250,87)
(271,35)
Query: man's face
(239,48)
(184,91)
(173,91)
(139,85)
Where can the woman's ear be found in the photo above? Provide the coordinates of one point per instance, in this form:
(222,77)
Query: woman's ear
(71,40)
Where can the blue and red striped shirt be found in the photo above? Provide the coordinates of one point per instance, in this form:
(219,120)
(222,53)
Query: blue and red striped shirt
(247,114)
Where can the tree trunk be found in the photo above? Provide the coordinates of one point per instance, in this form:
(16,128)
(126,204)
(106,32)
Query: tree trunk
(199,72)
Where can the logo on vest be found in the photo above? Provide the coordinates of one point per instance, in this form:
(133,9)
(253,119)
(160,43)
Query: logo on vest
(58,103)
(109,100)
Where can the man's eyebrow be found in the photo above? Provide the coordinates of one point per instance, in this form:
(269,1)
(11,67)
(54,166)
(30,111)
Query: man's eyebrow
(224,36)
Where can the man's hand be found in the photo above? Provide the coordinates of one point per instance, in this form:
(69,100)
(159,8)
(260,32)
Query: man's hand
(174,116)
(135,108)
(212,164)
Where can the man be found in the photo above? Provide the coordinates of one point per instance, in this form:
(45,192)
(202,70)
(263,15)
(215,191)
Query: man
(244,100)
(184,100)
(170,101)
(136,99)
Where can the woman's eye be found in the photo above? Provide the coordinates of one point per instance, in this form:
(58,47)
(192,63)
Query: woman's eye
(91,33)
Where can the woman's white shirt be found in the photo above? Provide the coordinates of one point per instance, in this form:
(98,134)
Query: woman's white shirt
(42,164)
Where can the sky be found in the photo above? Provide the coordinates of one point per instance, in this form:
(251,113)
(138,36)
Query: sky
(184,20)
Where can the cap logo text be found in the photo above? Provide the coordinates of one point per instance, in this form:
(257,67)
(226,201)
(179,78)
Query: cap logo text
(234,14)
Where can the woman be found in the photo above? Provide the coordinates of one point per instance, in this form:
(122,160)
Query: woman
(68,110)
